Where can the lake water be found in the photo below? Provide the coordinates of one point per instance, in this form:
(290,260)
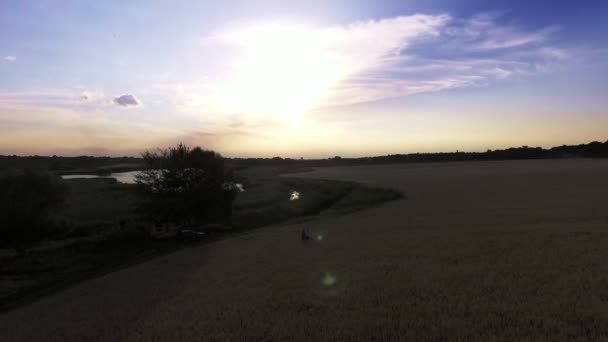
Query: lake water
(122,177)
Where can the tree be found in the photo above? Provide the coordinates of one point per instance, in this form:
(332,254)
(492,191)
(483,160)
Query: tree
(26,202)
(184,186)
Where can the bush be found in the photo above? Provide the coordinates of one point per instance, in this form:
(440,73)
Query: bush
(186,187)
(26,202)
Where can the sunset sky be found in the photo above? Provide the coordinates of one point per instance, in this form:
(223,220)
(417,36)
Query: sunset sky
(311,78)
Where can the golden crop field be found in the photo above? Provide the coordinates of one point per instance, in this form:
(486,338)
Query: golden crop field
(512,250)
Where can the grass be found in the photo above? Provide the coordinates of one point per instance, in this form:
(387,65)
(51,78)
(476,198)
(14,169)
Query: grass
(266,199)
(105,232)
(99,201)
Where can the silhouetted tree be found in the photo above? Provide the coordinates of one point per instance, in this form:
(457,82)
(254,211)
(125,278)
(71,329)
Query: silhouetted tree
(26,201)
(185,186)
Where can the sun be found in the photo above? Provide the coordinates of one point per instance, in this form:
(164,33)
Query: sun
(279,70)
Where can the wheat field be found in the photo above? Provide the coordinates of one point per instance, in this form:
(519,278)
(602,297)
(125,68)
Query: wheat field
(489,251)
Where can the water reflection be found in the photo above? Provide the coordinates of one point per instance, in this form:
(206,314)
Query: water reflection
(122,177)
(129,178)
(233,186)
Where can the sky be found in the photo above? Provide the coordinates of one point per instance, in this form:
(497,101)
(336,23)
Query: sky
(314,78)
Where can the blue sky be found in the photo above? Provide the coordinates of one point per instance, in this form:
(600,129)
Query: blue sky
(312,79)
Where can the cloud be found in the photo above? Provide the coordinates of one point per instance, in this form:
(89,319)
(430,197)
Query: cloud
(92,97)
(503,38)
(127,100)
(277,67)
(485,32)
(42,97)
(281,70)
(37,129)
(10,58)
(54,97)
(472,52)
(553,53)
(374,89)
(499,73)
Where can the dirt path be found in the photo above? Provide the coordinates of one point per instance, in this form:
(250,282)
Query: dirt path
(479,250)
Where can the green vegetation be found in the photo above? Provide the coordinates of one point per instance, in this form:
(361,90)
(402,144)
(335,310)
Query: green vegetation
(100,202)
(104,232)
(98,231)
(185,187)
(266,199)
(27,199)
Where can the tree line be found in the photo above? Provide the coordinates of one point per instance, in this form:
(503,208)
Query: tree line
(84,164)
(592,150)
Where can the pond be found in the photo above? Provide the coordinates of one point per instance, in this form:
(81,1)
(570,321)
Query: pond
(129,178)
(122,177)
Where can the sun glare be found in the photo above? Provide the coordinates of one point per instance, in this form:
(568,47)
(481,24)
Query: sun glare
(280,70)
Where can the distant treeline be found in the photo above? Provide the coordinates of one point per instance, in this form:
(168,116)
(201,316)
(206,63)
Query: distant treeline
(67,165)
(86,164)
(592,150)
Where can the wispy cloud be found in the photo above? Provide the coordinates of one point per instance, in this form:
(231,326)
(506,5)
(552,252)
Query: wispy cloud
(274,67)
(375,88)
(40,97)
(28,129)
(552,53)
(475,51)
(277,67)
(506,37)
(485,32)
(54,97)
(93,97)
(10,58)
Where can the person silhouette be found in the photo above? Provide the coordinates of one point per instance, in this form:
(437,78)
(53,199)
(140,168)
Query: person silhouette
(305,235)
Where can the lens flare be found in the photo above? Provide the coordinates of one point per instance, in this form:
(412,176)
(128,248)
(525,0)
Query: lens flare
(328,279)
